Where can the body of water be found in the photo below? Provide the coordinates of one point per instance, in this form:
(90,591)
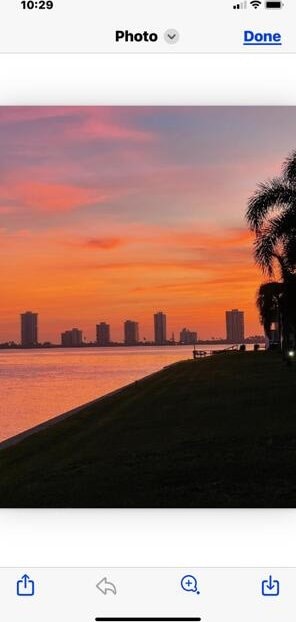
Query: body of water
(36,385)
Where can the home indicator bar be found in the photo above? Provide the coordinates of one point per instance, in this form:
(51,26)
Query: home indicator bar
(155,619)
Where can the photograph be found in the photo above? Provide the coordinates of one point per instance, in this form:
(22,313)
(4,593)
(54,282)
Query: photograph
(148,306)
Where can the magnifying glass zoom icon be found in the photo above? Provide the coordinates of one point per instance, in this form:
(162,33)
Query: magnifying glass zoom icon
(189,583)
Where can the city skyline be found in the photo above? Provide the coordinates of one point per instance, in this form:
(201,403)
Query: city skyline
(131,332)
(128,209)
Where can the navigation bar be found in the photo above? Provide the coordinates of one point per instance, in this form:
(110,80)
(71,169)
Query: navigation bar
(127,26)
(148,594)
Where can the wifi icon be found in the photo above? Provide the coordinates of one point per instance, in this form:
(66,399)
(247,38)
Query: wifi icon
(255,3)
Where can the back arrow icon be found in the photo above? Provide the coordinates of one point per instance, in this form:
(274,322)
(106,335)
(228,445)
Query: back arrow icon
(105,586)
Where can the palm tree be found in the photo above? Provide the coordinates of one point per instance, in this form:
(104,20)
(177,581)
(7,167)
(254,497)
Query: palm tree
(271,214)
(268,303)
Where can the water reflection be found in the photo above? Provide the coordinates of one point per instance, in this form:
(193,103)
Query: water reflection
(36,385)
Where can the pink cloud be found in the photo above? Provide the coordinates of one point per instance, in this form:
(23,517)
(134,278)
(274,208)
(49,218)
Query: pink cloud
(51,197)
(20,114)
(81,123)
(93,128)
(102,243)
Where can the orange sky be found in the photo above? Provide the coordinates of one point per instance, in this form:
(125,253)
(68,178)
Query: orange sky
(114,214)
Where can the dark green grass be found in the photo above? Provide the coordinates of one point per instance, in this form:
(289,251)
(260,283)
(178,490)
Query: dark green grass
(219,432)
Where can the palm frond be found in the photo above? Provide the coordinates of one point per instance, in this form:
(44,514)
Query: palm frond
(265,248)
(281,234)
(277,241)
(284,224)
(290,251)
(289,169)
(268,197)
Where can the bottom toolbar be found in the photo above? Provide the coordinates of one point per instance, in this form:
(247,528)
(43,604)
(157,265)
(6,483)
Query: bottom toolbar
(147,594)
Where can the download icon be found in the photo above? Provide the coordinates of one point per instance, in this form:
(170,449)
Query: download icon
(270,587)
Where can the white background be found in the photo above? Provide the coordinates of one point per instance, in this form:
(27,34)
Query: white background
(147,537)
(261,79)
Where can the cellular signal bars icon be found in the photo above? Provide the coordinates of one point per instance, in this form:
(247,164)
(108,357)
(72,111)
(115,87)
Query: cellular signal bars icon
(241,5)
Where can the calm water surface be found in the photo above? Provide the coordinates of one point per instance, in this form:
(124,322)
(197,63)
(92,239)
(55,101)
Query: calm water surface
(36,385)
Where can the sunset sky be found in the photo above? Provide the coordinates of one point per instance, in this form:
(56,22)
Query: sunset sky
(110,214)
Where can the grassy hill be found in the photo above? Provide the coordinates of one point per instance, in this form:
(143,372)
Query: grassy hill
(219,432)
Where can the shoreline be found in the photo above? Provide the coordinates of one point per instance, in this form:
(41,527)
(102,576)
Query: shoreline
(17,438)
(225,421)
(119,345)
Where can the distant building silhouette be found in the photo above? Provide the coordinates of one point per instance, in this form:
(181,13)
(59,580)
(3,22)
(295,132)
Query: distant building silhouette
(187,337)
(131,333)
(72,338)
(160,328)
(103,334)
(235,326)
(29,329)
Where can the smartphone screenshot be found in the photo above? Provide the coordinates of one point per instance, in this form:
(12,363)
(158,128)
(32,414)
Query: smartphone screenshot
(148,311)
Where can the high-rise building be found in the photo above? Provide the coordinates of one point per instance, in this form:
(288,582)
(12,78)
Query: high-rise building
(29,329)
(131,333)
(235,326)
(103,334)
(188,337)
(160,328)
(72,338)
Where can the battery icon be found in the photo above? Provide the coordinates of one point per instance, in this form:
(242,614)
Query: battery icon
(274,5)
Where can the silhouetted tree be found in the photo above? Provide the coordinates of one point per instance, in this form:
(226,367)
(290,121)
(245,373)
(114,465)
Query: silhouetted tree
(268,303)
(271,214)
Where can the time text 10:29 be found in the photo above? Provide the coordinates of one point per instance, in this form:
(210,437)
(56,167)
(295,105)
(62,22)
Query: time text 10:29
(37,4)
